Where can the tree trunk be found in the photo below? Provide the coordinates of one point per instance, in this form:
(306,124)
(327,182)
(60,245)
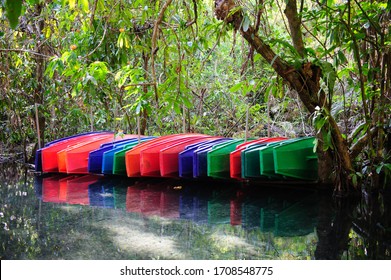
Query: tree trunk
(39,75)
(306,82)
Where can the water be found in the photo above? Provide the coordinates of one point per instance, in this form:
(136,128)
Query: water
(89,217)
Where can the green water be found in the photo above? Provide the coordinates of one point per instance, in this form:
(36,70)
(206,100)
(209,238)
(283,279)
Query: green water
(62,217)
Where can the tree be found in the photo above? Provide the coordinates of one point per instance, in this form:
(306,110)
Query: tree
(104,68)
(306,72)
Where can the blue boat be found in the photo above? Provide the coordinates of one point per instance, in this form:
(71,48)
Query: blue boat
(108,156)
(95,157)
(200,159)
(186,157)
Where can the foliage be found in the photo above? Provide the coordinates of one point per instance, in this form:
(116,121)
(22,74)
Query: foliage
(91,65)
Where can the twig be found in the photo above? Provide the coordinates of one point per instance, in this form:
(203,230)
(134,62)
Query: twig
(195,15)
(27,51)
(104,33)
(153,48)
(141,84)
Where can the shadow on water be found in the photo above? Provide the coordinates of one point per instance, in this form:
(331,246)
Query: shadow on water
(57,216)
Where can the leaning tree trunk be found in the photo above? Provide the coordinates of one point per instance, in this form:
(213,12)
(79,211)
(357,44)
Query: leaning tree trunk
(305,81)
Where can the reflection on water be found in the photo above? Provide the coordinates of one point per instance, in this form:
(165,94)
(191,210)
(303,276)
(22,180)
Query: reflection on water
(283,213)
(95,217)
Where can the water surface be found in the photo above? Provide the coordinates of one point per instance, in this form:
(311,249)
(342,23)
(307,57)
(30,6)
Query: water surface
(93,217)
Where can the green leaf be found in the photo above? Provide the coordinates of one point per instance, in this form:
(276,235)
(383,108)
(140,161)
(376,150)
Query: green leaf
(354,180)
(329,75)
(72,4)
(33,2)
(13,9)
(84,5)
(236,87)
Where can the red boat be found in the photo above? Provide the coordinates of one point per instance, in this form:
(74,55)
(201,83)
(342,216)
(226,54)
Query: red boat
(49,153)
(152,159)
(235,161)
(132,157)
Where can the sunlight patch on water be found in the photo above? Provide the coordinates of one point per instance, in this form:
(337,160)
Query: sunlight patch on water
(129,238)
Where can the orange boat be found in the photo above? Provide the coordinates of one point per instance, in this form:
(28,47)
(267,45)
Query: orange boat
(49,153)
(235,160)
(132,157)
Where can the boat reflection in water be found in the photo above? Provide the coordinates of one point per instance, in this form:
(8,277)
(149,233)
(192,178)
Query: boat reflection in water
(283,212)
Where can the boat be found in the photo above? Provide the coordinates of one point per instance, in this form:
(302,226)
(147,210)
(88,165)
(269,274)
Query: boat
(266,159)
(133,156)
(235,158)
(95,157)
(251,160)
(119,166)
(169,157)
(218,159)
(38,153)
(74,159)
(151,160)
(200,158)
(297,159)
(108,156)
(49,153)
(186,157)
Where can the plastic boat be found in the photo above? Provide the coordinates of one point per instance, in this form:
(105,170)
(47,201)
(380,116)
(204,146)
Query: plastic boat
(235,158)
(297,159)
(49,161)
(74,159)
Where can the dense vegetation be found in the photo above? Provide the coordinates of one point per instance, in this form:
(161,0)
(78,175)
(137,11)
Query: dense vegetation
(298,67)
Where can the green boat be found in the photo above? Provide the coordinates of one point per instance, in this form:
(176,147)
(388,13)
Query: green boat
(250,161)
(297,159)
(119,167)
(218,158)
(266,159)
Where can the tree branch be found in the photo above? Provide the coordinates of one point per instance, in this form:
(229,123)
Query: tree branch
(357,147)
(195,14)
(154,49)
(27,51)
(294,26)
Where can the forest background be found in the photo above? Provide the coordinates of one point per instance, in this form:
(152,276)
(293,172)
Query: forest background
(291,68)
